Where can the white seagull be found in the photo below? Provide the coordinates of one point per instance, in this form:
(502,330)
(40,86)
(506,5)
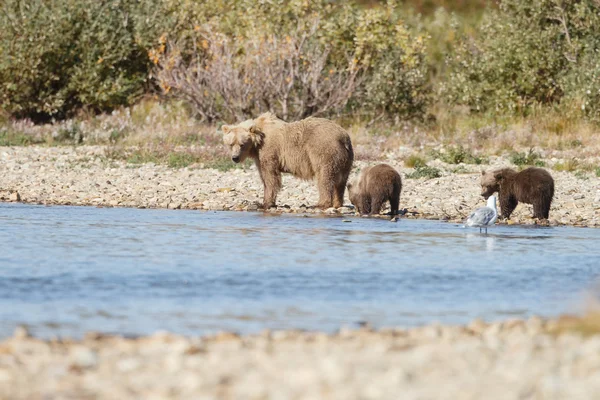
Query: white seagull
(484,216)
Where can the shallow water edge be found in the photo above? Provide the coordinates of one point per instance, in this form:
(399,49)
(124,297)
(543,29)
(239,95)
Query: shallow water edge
(69,270)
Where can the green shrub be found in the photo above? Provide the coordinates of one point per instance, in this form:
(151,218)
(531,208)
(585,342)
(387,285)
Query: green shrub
(424,171)
(59,56)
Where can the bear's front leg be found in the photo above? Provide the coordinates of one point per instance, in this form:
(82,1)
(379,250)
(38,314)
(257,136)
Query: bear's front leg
(272,184)
(507,205)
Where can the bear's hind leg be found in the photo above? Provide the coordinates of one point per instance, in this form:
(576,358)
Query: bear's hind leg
(541,210)
(394,204)
(338,195)
(340,187)
(376,204)
(326,185)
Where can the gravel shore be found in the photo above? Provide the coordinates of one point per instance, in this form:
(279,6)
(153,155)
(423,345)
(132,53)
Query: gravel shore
(83,176)
(510,360)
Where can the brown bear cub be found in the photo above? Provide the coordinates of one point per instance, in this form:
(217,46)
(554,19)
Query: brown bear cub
(532,186)
(310,148)
(375,186)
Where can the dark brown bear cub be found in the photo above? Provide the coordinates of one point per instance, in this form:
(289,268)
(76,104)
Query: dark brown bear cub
(532,186)
(375,186)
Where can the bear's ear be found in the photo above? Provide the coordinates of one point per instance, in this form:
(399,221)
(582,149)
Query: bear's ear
(482,172)
(498,175)
(256,135)
(225,129)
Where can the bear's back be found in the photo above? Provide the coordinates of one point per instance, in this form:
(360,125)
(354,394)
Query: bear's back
(532,182)
(380,177)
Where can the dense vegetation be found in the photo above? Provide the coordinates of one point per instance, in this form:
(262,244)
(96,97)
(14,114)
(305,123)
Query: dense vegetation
(231,59)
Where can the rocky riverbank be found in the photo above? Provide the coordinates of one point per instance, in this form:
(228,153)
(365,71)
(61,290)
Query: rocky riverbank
(84,176)
(506,360)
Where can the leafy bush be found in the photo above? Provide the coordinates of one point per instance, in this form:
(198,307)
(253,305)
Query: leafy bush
(57,57)
(527,53)
(294,58)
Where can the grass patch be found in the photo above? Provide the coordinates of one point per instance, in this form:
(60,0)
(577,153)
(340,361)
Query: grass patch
(225,164)
(414,161)
(581,175)
(460,170)
(8,138)
(587,325)
(424,171)
(570,165)
(174,156)
(529,158)
(180,160)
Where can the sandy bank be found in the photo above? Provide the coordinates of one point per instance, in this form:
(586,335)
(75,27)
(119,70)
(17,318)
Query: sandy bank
(509,360)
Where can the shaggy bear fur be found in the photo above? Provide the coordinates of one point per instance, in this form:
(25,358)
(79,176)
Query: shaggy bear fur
(312,147)
(532,186)
(375,186)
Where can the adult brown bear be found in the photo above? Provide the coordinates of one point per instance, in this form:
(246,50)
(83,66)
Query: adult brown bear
(532,186)
(312,147)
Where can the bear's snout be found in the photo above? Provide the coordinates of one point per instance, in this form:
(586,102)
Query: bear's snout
(235,159)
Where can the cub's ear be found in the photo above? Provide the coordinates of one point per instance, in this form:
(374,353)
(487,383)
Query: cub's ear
(253,129)
(499,176)
(225,129)
(482,172)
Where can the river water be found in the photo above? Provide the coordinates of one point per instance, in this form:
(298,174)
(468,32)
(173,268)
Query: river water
(68,270)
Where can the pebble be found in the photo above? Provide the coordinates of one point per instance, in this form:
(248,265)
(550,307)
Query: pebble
(83,357)
(14,197)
